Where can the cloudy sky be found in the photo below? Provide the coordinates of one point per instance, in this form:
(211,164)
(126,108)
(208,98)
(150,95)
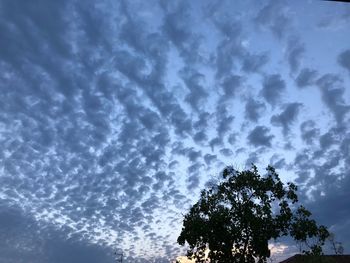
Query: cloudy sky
(115,114)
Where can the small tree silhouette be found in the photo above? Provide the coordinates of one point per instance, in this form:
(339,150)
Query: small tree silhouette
(237,218)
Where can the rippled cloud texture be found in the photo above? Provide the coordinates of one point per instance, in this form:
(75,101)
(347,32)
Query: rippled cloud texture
(114,114)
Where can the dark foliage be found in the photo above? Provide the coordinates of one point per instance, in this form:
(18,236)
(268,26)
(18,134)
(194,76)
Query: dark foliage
(237,218)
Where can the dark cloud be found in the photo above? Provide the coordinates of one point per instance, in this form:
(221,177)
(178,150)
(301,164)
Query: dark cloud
(328,139)
(260,136)
(194,82)
(322,174)
(295,51)
(273,88)
(303,164)
(209,159)
(231,85)
(278,162)
(230,48)
(226,152)
(275,18)
(232,138)
(203,121)
(254,109)
(332,90)
(252,159)
(309,131)
(23,239)
(175,23)
(344,59)
(224,120)
(200,137)
(332,189)
(286,118)
(306,77)
(193,178)
(215,142)
(252,63)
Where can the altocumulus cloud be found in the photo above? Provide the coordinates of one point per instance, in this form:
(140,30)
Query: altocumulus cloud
(113,116)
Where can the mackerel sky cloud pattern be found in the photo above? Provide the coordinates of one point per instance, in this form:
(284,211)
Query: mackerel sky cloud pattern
(115,114)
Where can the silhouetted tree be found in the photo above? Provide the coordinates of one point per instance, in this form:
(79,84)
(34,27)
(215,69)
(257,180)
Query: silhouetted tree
(336,246)
(237,218)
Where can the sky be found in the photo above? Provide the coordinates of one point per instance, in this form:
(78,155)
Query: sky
(115,114)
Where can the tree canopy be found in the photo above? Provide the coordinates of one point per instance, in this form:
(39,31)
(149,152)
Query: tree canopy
(235,219)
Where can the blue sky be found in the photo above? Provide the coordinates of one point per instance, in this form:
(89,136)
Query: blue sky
(115,114)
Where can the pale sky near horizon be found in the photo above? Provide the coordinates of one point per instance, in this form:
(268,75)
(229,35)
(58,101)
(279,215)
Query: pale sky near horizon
(115,114)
